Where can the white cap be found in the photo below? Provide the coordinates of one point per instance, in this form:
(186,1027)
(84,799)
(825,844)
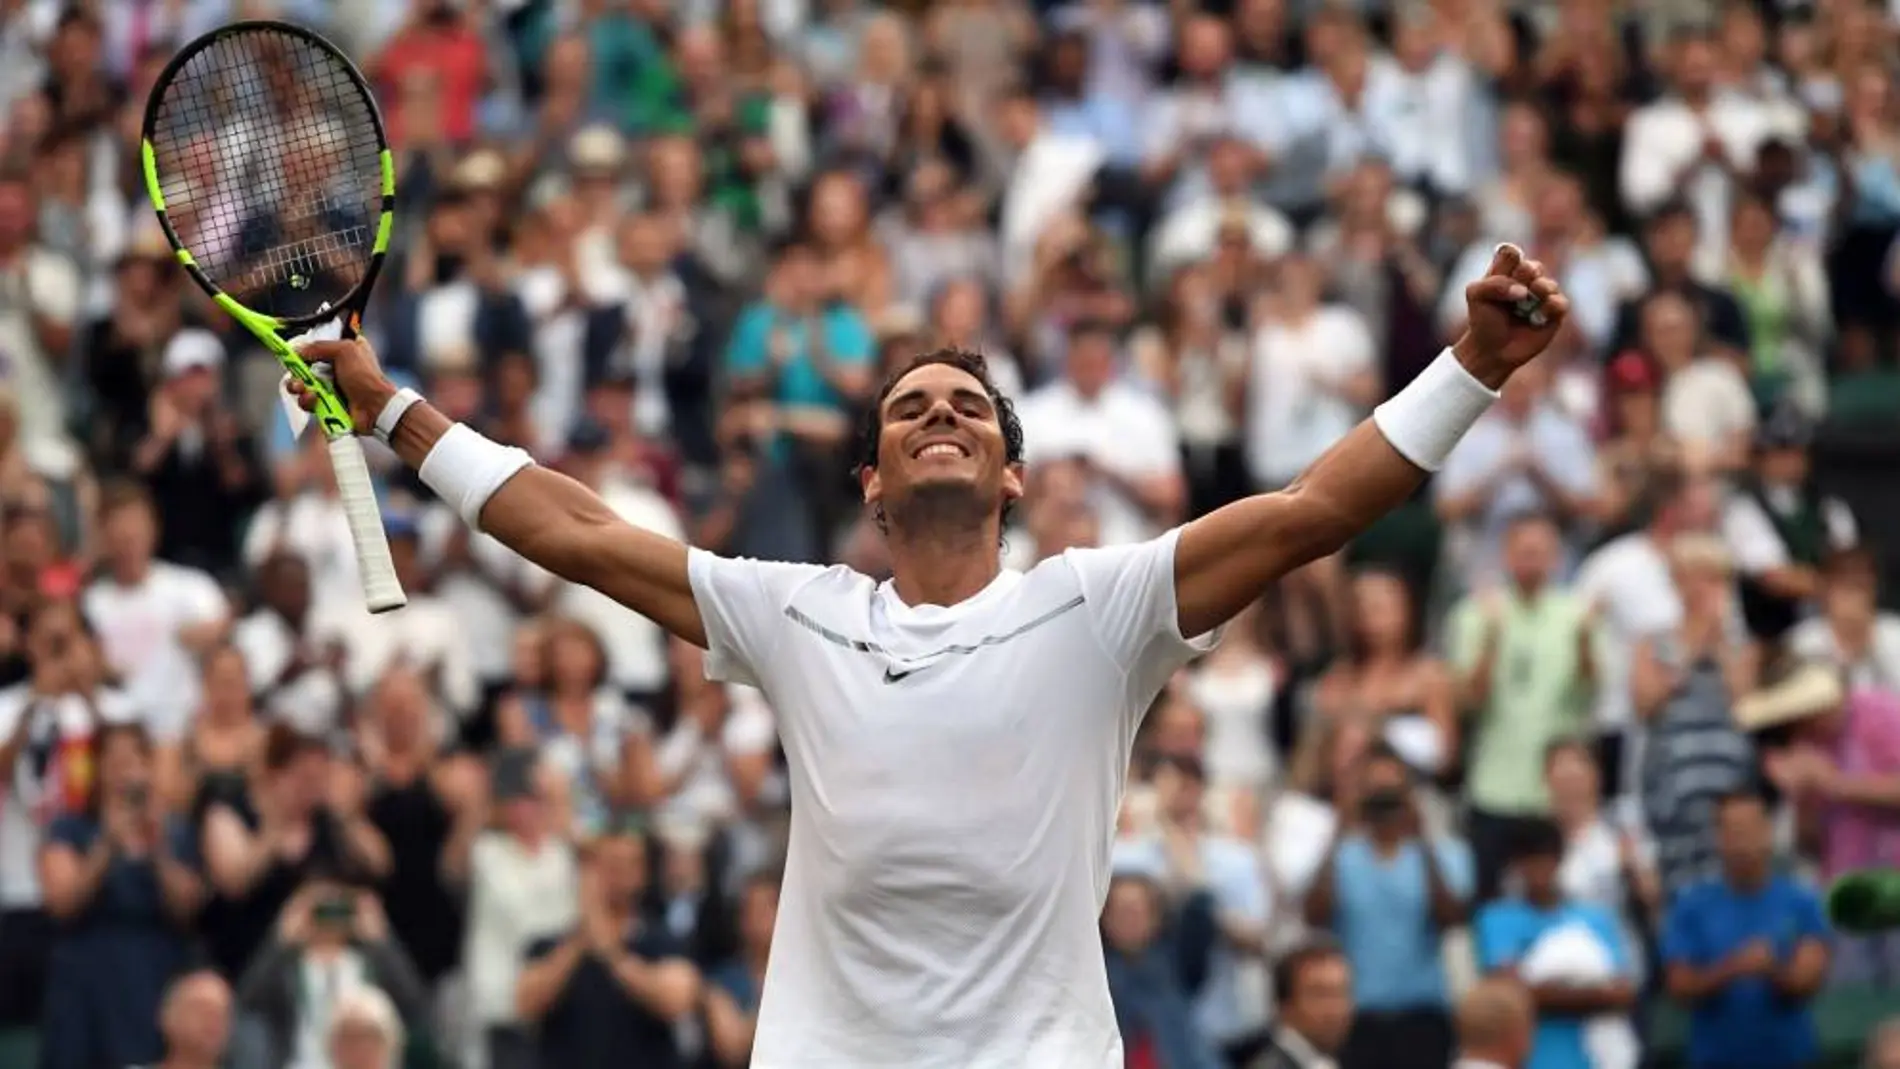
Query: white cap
(193,349)
(597,148)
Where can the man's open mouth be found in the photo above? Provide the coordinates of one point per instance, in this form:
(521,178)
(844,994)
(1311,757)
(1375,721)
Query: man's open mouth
(940,449)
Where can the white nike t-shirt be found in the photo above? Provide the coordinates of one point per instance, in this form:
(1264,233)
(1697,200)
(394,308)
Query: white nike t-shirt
(955,775)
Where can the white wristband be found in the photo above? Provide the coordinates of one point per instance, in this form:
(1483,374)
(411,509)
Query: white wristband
(393,411)
(1427,418)
(465,469)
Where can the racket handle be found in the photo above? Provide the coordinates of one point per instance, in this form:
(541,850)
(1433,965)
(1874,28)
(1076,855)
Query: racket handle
(381,590)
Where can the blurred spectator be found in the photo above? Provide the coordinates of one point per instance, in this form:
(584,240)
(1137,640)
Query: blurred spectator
(294,672)
(1571,955)
(1123,437)
(1237,686)
(1386,679)
(1314,985)
(613,989)
(599,748)
(1851,632)
(121,884)
(1841,771)
(1391,890)
(1495,1026)
(195,458)
(152,615)
(1684,684)
(42,289)
(1198,362)
(1629,580)
(732,988)
(48,725)
(1883,1047)
(1707,406)
(1526,455)
(195,1021)
(1608,864)
(1184,858)
(332,941)
(1313,375)
(1780,526)
(1157,961)
(1524,663)
(1747,950)
(365,1031)
(299,817)
(523,885)
(1636,454)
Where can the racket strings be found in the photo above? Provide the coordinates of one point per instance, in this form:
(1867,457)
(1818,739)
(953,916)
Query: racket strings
(269,159)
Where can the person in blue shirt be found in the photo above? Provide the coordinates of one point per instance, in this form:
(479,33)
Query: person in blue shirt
(806,357)
(1508,929)
(1390,892)
(1747,951)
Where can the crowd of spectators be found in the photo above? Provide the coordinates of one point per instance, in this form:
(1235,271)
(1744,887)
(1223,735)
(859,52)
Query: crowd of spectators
(1596,715)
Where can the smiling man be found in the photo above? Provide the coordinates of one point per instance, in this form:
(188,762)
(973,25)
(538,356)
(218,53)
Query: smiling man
(958,736)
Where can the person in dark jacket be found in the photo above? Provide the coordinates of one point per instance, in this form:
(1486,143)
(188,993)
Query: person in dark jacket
(1156,964)
(332,939)
(1313,983)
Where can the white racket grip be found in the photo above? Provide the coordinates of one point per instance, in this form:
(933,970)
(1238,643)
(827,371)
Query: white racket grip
(381,590)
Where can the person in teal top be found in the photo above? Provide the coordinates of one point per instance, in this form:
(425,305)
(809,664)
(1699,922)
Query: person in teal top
(1508,930)
(798,350)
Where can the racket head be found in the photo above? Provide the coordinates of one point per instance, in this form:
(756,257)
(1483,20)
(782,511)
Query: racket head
(266,160)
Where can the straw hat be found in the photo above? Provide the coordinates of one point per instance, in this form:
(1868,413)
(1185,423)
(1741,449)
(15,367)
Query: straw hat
(1810,690)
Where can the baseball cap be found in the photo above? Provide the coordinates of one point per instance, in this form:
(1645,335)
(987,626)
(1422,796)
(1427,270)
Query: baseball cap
(1631,372)
(1784,428)
(193,349)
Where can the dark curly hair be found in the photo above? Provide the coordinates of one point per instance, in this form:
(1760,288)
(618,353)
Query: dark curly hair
(871,429)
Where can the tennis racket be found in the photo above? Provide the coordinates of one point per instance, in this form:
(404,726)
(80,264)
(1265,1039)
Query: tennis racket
(266,161)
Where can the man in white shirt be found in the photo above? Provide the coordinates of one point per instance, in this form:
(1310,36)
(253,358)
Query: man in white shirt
(152,617)
(1695,143)
(1629,582)
(959,736)
(1125,437)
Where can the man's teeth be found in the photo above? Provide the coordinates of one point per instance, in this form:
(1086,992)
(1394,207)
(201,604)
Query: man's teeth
(941,449)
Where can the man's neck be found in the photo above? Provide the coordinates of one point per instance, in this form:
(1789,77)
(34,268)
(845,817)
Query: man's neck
(943,569)
(131,573)
(1748,881)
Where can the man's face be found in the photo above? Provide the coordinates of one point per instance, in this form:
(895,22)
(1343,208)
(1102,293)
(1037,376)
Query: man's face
(1531,551)
(1783,466)
(198,1017)
(131,534)
(1539,874)
(1695,68)
(1090,362)
(940,438)
(1320,1006)
(1672,241)
(1743,836)
(623,868)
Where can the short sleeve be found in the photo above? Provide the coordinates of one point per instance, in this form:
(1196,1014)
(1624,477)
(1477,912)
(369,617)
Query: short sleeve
(1810,922)
(202,601)
(1129,591)
(1455,866)
(1751,537)
(850,339)
(1491,939)
(1682,940)
(746,352)
(1464,635)
(742,605)
(72,831)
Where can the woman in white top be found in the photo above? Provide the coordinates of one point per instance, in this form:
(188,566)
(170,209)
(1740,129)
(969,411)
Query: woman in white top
(600,748)
(1603,864)
(1235,687)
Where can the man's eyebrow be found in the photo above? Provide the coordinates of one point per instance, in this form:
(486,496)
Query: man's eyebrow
(961,393)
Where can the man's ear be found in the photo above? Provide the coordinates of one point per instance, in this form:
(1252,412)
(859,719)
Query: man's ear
(1013,482)
(871,486)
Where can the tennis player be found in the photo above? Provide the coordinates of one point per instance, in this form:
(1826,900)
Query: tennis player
(958,737)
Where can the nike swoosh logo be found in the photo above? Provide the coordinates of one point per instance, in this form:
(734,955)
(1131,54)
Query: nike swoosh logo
(891,675)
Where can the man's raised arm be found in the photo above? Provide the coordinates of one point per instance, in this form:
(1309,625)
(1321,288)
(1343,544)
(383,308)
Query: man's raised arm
(1226,559)
(543,515)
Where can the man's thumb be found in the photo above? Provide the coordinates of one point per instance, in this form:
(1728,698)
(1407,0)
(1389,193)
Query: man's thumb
(1505,260)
